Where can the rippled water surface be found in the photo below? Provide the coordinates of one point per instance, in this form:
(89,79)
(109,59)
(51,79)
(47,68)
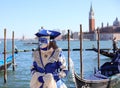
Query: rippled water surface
(20,78)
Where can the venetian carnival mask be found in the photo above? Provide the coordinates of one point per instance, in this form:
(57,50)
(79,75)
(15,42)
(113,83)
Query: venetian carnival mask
(43,42)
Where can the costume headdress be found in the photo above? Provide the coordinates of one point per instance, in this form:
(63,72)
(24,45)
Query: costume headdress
(51,33)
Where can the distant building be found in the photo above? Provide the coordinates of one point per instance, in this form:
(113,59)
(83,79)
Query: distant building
(91,20)
(76,35)
(109,32)
(106,33)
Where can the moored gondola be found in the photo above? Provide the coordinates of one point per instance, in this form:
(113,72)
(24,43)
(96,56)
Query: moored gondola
(97,82)
(8,62)
(107,75)
(105,53)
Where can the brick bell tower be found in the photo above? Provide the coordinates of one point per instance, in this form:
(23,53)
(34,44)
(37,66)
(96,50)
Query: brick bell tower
(91,20)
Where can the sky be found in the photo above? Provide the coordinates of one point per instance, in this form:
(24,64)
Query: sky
(25,17)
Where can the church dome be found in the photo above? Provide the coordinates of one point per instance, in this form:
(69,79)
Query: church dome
(116,22)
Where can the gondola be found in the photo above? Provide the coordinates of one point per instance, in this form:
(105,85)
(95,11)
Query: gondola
(8,62)
(97,83)
(105,53)
(108,76)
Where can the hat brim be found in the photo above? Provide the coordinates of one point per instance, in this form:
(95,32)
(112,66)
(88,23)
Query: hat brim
(54,34)
(42,32)
(51,33)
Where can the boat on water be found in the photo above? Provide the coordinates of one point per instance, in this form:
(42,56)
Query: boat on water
(106,76)
(105,52)
(8,62)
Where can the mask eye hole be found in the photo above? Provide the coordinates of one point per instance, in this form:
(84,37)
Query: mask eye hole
(43,40)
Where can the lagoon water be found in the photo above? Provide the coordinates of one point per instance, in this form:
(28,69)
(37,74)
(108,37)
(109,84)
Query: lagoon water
(20,78)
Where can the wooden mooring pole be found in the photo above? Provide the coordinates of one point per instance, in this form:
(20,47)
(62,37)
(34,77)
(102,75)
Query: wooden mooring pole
(5,65)
(98,46)
(68,50)
(81,61)
(13,60)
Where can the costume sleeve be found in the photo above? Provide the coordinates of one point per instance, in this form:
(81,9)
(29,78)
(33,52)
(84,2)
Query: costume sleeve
(62,64)
(33,67)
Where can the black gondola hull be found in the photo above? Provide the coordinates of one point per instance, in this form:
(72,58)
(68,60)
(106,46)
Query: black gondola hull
(105,53)
(114,81)
(2,66)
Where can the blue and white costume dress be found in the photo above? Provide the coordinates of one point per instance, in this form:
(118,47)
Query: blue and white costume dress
(48,69)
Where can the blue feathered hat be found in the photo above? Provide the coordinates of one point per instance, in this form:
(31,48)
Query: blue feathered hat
(51,33)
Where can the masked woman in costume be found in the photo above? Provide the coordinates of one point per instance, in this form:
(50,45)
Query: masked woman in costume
(49,64)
